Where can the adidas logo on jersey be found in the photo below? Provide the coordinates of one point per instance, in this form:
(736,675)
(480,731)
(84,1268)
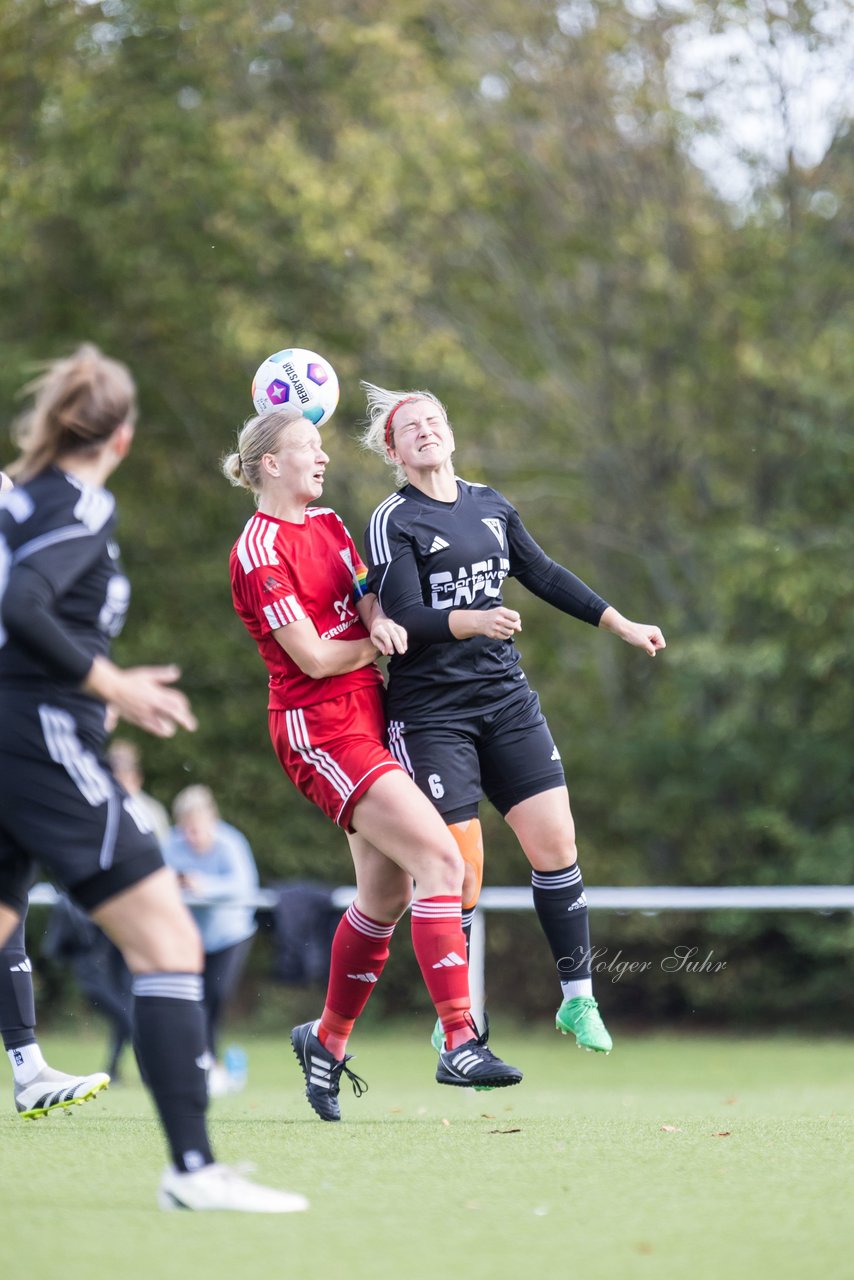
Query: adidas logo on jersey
(363,977)
(438,544)
(449,961)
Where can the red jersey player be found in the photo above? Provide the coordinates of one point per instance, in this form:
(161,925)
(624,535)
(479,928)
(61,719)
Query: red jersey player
(297,583)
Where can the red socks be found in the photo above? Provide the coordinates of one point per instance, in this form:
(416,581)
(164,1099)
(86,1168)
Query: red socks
(440,949)
(359,953)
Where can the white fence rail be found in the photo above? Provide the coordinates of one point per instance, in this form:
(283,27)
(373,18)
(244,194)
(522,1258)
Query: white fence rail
(650,899)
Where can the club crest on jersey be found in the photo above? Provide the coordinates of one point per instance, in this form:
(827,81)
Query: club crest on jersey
(495,527)
(344,553)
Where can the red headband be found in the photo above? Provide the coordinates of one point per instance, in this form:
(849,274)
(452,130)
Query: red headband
(400,403)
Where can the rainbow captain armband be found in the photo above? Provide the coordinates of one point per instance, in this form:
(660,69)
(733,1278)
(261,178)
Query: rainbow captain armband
(360,580)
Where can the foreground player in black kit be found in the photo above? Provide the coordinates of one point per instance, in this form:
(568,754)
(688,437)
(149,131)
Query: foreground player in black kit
(39,1088)
(462,717)
(63,596)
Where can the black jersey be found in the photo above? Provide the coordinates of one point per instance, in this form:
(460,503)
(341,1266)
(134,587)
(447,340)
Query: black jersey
(426,558)
(63,595)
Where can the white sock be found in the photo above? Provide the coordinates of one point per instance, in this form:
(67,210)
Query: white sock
(26,1062)
(580,987)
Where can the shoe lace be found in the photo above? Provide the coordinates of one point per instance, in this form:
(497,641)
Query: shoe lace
(588,1008)
(360,1086)
(481,1037)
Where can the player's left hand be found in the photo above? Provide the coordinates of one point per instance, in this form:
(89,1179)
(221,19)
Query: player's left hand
(641,634)
(389,637)
(645,636)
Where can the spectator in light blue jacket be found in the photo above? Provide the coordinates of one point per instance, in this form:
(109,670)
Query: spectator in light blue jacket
(214,862)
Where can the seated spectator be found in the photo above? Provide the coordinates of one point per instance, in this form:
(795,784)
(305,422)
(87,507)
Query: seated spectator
(214,861)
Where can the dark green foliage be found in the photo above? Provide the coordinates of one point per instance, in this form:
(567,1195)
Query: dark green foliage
(662,384)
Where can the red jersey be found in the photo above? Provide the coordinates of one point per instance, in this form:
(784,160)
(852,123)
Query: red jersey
(282,572)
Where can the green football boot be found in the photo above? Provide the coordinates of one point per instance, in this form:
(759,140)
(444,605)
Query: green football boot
(580,1016)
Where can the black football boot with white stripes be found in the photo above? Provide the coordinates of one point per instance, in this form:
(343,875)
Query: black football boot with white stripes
(323,1072)
(473,1066)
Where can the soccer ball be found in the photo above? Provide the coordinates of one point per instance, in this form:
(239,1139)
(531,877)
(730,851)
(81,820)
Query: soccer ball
(300,378)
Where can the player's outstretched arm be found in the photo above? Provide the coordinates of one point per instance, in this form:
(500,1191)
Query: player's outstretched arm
(142,695)
(641,634)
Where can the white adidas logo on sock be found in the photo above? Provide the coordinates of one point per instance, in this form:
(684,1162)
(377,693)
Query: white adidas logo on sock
(363,977)
(449,961)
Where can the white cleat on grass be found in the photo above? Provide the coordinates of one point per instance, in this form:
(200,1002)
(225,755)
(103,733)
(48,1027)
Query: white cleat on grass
(220,1187)
(54,1090)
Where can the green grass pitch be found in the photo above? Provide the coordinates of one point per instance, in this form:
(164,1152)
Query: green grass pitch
(697,1158)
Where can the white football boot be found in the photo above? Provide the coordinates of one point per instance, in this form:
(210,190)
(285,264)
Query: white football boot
(218,1187)
(53,1090)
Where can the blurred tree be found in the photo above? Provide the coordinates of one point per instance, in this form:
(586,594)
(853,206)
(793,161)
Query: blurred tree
(501,204)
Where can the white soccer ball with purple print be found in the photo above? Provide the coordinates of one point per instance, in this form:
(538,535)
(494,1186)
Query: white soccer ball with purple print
(300,378)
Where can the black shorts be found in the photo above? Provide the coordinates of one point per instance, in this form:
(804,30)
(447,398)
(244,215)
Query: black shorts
(60,806)
(507,754)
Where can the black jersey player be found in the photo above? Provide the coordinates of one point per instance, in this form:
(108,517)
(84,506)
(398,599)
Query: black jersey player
(63,596)
(38,1087)
(462,716)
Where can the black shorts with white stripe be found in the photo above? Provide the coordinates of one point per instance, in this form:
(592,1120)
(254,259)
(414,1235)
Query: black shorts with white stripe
(506,753)
(61,807)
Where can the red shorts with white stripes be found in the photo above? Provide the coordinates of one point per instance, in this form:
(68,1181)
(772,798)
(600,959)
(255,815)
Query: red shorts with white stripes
(334,751)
